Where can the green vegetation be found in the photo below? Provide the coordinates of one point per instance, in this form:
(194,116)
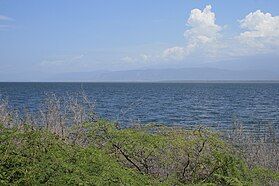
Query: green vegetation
(99,153)
(64,143)
(33,157)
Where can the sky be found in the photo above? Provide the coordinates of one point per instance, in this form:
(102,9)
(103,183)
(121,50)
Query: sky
(43,38)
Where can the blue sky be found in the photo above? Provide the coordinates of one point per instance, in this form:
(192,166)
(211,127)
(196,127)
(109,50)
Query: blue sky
(60,36)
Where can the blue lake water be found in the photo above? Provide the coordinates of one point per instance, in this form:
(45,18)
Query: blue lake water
(211,104)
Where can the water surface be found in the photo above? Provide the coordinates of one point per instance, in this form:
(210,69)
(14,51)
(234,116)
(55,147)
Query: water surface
(211,104)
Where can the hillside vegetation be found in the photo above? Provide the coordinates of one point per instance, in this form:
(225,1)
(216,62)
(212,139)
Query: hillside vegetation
(93,151)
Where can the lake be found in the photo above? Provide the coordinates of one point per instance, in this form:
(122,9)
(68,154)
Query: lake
(187,104)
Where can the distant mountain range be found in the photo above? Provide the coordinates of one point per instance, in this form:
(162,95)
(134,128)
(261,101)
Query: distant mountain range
(183,74)
(256,68)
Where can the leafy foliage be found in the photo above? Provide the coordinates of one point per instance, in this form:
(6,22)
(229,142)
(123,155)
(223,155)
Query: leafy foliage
(33,157)
(174,155)
(99,153)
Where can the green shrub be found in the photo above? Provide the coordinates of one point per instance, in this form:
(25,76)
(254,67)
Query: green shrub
(99,153)
(33,157)
(173,155)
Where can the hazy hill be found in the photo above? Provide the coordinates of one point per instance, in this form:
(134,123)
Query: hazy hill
(208,74)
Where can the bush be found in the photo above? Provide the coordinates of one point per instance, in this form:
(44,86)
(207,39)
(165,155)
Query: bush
(102,154)
(33,157)
(173,154)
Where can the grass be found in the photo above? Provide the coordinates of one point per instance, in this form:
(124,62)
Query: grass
(66,144)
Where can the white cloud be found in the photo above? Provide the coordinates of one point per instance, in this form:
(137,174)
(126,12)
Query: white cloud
(5,26)
(145,57)
(5,18)
(78,57)
(262,31)
(65,60)
(259,24)
(203,26)
(128,59)
(203,34)
(206,41)
(174,53)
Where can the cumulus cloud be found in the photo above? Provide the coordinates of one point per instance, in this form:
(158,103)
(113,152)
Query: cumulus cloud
(175,53)
(203,31)
(205,40)
(203,26)
(261,31)
(260,34)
